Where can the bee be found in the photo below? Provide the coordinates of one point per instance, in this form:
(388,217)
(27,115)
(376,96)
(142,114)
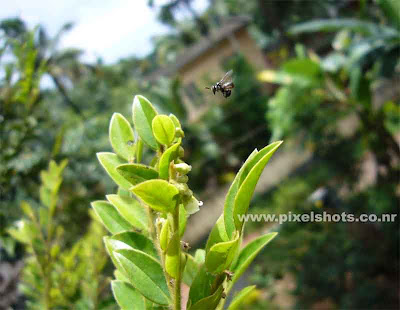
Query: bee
(225,85)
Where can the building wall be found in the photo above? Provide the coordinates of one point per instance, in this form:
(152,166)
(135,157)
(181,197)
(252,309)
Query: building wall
(207,66)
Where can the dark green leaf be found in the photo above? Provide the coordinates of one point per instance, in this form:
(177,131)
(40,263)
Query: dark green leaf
(220,255)
(145,274)
(137,173)
(210,302)
(201,286)
(135,241)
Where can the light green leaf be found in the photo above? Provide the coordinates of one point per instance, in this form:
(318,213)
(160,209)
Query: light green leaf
(169,155)
(110,161)
(182,220)
(131,210)
(157,194)
(163,129)
(165,235)
(110,217)
(122,137)
(172,257)
(176,121)
(240,298)
(248,253)
(127,297)
(145,274)
(137,173)
(221,255)
(210,302)
(246,190)
(230,199)
(143,114)
(218,233)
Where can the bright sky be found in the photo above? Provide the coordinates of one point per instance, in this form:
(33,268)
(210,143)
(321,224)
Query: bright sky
(107,29)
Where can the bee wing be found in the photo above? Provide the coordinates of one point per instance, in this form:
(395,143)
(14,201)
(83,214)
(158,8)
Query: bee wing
(227,78)
(228,85)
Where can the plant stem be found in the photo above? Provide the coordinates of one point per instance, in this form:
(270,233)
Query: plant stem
(178,279)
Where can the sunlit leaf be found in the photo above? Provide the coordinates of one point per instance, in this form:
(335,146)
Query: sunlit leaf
(122,137)
(157,194)
(110,161)
(143,114)
(163,129)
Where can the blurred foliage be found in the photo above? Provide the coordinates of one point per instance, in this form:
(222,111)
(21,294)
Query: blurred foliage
(337,105)
(56,276)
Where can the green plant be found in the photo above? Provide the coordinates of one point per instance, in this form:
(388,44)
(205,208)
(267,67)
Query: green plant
(56,276)
(148,216)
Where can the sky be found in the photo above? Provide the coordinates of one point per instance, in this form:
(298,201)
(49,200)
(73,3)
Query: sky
(109,29)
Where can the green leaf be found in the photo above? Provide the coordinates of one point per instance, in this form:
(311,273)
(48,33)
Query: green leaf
(210,302)
(110,161)
(131,210)
(163,129)
(135,241)
(201,286)
(169,155)
(157,194)
(137,173)
(221,255)
(240,298)
(127,297)
(246,190)
(193,265)
(218,233)
(122,137)
(143,114)
(145,274)
(230,199)
(110,217)
(248,253)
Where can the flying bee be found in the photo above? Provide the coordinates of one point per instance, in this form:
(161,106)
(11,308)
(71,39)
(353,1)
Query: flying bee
(225,85)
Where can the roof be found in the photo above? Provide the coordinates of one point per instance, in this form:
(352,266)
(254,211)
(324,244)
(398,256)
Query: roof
(229,27)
